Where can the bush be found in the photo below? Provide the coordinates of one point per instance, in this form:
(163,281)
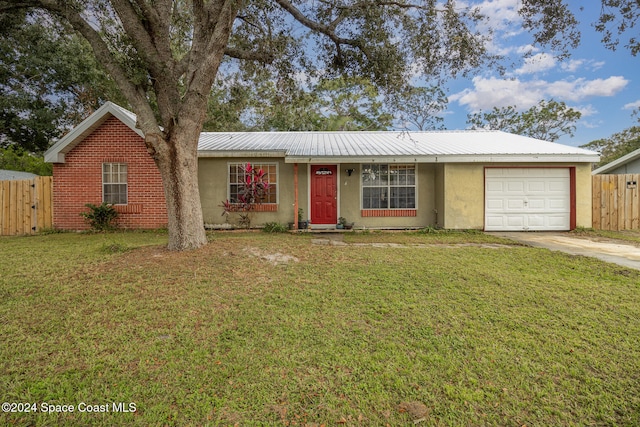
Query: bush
(102,217)
(274,227)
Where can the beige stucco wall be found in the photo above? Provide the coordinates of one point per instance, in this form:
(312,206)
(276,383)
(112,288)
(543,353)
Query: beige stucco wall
(448,195)
(213,178)
(584,210)
(463,196)
(350,203)
(463,205)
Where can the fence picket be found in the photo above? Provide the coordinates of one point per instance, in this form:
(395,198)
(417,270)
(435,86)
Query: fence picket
(26,206)
(616,202)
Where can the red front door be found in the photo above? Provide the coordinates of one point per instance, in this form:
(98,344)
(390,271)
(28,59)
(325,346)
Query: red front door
(324,194)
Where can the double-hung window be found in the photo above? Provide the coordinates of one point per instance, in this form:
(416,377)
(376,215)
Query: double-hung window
(388,186)
(237,178)
(114,183)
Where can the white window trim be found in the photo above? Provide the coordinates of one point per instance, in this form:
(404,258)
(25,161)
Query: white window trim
(126,184)
(276,164)
(415,165)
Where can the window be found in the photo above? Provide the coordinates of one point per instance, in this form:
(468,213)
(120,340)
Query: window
(237,177)
(388,186)
(114,183)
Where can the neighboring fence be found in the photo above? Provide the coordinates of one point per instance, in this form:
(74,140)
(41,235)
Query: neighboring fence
(26,206)
(616,205)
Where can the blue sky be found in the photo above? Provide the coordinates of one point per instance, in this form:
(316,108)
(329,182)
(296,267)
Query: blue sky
(603,84)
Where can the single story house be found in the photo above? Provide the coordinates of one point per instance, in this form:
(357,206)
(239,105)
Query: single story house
(629,163)
(486,180)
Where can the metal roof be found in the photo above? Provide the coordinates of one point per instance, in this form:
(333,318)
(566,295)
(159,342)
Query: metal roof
(434,146)
(351,147)
(627,158)
(9,175)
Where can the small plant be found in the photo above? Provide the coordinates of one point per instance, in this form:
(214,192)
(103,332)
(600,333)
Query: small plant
(274,227)
(429,230)
(343,223)
(101,217)
(253,190)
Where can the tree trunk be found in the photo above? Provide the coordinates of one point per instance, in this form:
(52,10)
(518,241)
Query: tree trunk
(177,161)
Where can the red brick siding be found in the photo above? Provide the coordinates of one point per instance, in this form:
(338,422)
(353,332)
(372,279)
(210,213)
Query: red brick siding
(79,180)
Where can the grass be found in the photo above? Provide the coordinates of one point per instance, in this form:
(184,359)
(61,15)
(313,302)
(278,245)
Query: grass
(260,329)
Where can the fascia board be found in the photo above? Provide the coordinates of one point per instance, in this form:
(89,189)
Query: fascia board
(547,158)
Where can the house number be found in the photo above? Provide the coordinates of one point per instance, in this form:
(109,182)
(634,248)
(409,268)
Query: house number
(324,172)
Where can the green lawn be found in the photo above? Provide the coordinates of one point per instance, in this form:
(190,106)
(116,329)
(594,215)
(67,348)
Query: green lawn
(259,329)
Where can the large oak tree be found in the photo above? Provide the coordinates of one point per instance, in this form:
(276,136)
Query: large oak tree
(164,55)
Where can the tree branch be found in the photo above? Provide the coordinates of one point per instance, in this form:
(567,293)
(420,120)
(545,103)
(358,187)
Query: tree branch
(260,56)
(134,94)
(327,30)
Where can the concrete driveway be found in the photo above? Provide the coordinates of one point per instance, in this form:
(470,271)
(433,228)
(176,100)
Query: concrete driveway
(622,254)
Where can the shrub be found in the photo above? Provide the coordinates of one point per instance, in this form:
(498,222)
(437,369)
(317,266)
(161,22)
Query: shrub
(101,217)
(274,227)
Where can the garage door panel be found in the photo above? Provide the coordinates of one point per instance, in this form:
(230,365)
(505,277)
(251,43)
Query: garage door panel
(495,221)
(515,205)
(537,204)
(515,221)
(515,186)
(536,187)
(527,199)
(556,204)
(558,186)
(495,186)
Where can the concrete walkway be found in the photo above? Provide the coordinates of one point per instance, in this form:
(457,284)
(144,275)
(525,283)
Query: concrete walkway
(625,255)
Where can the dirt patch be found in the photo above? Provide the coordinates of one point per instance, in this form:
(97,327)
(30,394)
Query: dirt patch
(417,410)
(273,258)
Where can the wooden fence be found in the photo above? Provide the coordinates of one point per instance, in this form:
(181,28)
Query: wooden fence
(26,206)
(616,205)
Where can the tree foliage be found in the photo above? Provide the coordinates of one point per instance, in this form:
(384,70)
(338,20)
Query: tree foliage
(283,104)
(49,81)
(419,107)
(619,19)
(618,144)
(549,120)
(17,159)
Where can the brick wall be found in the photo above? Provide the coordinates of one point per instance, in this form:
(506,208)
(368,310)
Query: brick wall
(79,180)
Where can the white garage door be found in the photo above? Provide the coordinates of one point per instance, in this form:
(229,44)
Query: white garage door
(527,199)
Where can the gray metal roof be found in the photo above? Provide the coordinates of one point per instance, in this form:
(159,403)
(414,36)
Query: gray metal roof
(8,175)
(353,147)
(627,158)
(435,146)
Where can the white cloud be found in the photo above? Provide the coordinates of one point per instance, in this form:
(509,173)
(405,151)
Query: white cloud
(590,125)
(572,65)
(501,15)
(526,49)
(537,63)
(586,110)
(579,89)
(632,105)
(576,64)
(493,92)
